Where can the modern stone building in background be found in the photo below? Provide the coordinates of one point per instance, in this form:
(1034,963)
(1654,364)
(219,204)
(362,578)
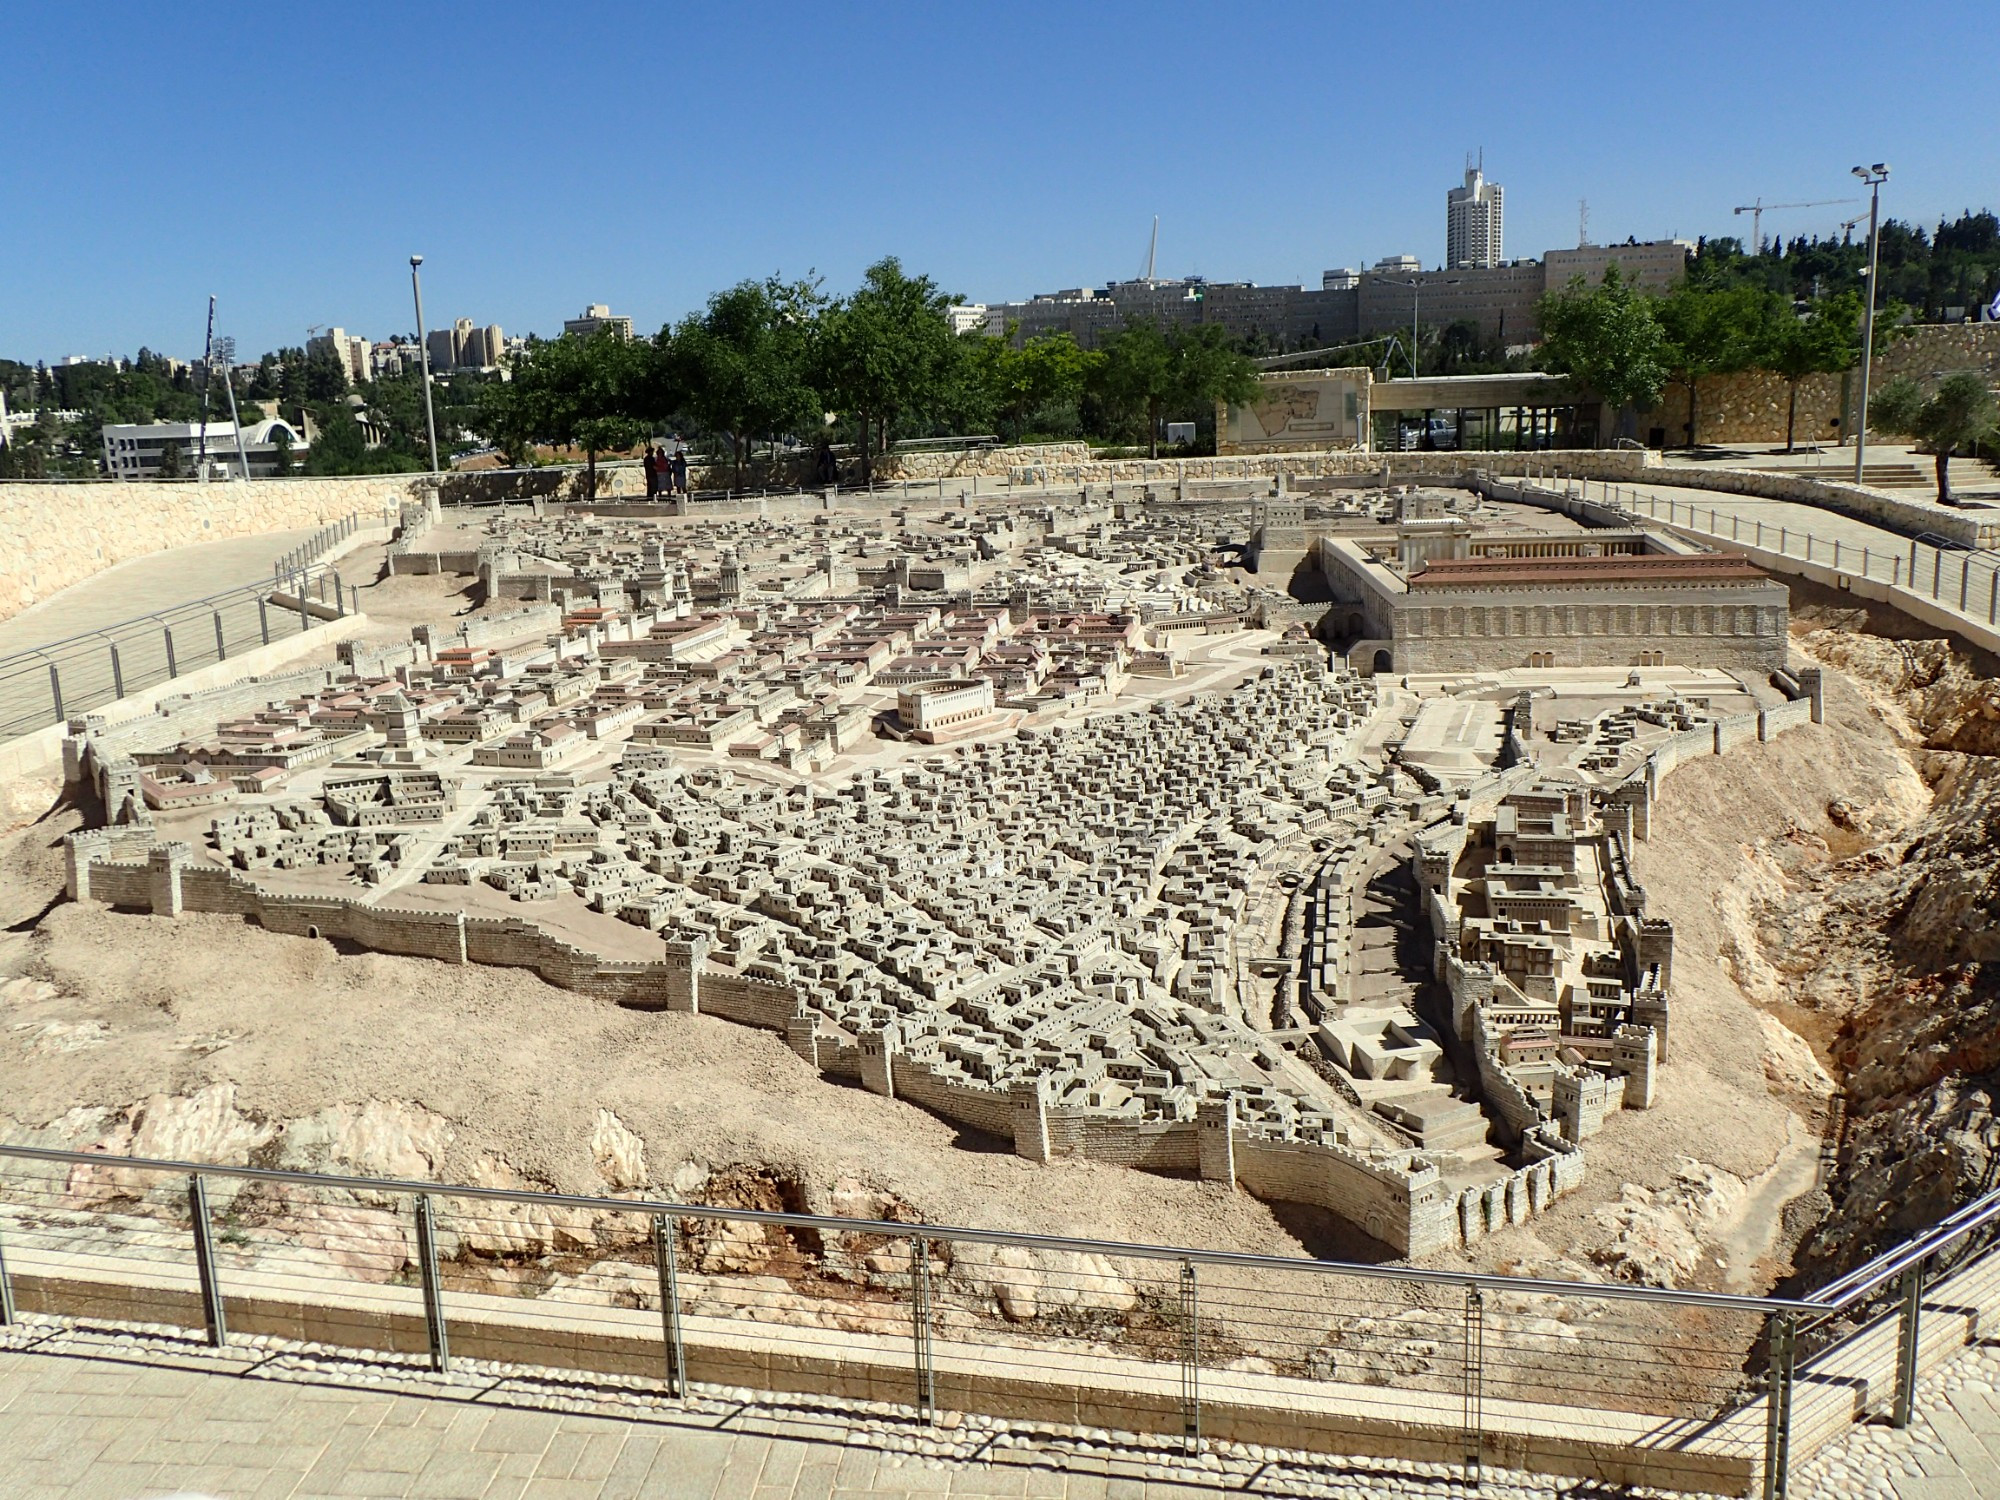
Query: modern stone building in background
(1474,220)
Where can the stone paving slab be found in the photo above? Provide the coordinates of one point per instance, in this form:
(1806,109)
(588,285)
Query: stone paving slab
(122,1419)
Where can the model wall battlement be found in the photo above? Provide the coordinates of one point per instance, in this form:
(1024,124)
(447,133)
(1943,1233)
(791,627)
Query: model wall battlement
(1399,1200)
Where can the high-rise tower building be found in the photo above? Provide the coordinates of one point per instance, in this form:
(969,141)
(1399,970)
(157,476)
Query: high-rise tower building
(1473,218)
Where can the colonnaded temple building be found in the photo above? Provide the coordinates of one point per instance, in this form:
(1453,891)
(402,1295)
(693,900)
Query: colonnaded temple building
(1452,599)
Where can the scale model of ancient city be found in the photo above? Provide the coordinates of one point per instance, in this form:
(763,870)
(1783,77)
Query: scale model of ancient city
(1045,813)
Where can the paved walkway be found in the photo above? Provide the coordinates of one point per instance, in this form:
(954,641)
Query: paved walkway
(1880,553)
(155,585)
(121,1423)
(145,585)
(119,1428)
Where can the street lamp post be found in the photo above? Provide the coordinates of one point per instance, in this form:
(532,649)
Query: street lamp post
(424,355)
(1416,292)
(1874,176)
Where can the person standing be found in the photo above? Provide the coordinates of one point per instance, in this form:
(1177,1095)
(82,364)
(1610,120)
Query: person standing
(652,468)
(680,470)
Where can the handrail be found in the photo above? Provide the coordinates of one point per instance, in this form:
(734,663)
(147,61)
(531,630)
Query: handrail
(1835,1297)
(1615,1291)
(105,632)
(1841,1294)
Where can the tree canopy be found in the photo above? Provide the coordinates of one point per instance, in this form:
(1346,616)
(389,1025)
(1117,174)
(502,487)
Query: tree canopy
(1607,339)
(1821,341)
(887,351)
(1146,371)
(1956,417)
(577,390)
(744,367)
(1707,331)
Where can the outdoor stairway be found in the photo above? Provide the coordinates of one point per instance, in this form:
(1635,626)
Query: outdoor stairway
(1896,476)
(1440,1122)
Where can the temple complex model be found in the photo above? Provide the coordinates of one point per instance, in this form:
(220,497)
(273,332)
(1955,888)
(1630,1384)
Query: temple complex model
(1042,814)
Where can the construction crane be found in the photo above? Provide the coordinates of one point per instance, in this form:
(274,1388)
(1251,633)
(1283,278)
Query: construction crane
(1758,209)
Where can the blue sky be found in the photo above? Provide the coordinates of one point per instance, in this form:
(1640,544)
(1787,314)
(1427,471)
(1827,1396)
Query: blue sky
(541,156)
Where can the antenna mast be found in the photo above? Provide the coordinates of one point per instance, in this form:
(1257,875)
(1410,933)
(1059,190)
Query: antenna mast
(1582,222)
(1153,249)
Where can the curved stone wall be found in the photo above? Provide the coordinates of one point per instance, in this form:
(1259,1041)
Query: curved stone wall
(53,535)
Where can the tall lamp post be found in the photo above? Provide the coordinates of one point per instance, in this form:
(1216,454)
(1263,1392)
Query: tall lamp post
(424,355)
(1874,176)
(1416,293)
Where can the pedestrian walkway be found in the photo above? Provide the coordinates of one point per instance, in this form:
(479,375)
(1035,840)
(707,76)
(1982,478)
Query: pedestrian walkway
(1959,584)
(146,585)
(117,1417)
(131,607)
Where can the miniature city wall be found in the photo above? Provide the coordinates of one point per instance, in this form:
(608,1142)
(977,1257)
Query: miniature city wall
(1035,937)
(1403,1205)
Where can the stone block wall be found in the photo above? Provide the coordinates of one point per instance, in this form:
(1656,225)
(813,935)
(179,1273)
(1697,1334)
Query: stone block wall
(1773,722)
(1740,729)
(54,535)
(1750,406)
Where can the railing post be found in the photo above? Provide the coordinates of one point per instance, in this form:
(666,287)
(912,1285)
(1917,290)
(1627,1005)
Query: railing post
(1896,570)
(1784,539)
(1778,1406)
(1964,578)
(221,650)
(55,691)
(204,1261)
(1190,1357)
(1475,1373)
(670,1305)
(433,1293)
(1836,552)
(920,1326)
(117,672)
(1937,569)
(1865,563)
(339,597)
(173,669)
(1993,596)
(7,1313)
(1906,1345)
(264,619)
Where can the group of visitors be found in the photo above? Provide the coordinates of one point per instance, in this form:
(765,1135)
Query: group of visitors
(666,473)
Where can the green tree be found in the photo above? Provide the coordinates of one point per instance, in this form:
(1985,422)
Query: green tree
(1134,378)
(1959,415)
(1210,370)
(1709,331)
(583,392)
(1608,340)
(281,454)
(1823,342)
(1187,370)
(170,461)
(1049,370)
(743,368)
(887,351)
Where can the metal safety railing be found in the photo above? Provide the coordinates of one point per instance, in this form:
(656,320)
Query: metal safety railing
(1142,1337)
(52,683)
(1965,580)
(323,541)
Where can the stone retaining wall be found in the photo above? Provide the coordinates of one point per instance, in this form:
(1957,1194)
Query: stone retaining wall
(55,535)
(1750,406)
